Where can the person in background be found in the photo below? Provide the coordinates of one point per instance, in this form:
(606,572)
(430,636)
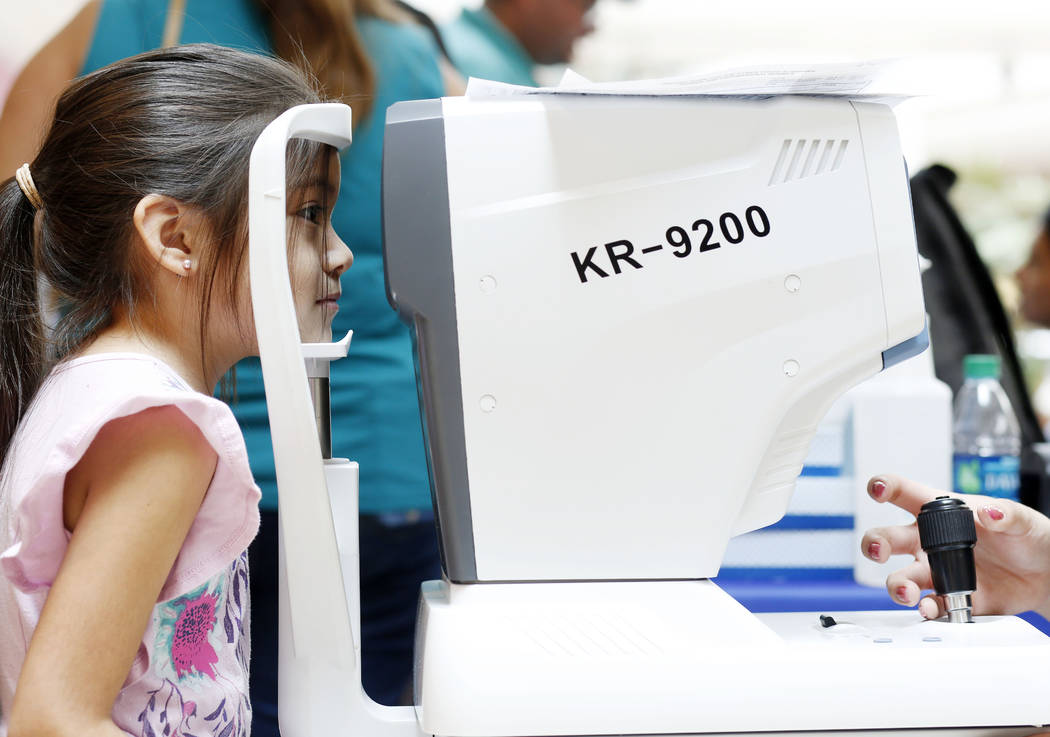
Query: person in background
(1033,278)
(1033,282)
(370,55)
(504,40)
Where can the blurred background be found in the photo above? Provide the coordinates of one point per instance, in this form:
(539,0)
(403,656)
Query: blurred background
(981,73)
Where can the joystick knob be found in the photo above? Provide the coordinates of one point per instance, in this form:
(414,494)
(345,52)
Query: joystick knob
(947,533)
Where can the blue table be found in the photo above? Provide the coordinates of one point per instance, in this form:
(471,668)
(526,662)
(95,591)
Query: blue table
(814,590)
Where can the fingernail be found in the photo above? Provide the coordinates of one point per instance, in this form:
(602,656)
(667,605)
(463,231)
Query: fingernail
(878,488)
(873,551)
(902,594)
(995,513)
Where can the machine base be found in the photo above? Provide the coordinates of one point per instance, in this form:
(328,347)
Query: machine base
(682,657)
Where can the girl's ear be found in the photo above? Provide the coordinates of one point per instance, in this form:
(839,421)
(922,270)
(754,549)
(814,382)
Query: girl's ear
(167,230)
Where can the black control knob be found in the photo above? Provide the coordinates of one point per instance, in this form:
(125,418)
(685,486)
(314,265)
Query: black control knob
(947,533)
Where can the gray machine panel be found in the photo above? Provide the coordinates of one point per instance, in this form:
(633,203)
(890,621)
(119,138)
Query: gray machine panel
(417,253)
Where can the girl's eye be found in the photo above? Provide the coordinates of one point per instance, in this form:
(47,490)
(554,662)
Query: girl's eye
(312,213)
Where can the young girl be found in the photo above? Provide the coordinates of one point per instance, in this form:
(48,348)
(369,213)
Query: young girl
(126,500)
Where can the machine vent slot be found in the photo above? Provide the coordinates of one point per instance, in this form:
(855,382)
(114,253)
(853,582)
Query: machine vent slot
(783,461)
(801,158)
(775,177)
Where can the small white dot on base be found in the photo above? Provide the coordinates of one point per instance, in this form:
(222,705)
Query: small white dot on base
(488,284)
(791,368)
(792,283)
(488,403)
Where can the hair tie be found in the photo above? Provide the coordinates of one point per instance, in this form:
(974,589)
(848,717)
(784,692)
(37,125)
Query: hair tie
(25,183)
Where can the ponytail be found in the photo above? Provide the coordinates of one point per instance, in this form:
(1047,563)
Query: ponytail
(22,352)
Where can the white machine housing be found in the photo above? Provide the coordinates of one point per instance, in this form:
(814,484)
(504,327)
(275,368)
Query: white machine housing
(605,408)
(599,403)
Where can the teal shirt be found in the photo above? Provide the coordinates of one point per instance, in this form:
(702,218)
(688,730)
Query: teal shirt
(480,46)
(129,27)
(375,410)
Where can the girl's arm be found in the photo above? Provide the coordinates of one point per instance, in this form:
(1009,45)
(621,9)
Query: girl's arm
(131,501)
(31,102)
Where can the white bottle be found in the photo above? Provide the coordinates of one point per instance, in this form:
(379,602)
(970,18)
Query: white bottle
(985,435)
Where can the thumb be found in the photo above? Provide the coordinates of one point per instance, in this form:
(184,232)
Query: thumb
(1005,516)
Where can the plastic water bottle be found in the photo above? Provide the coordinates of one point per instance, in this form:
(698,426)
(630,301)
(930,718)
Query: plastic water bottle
(985,435)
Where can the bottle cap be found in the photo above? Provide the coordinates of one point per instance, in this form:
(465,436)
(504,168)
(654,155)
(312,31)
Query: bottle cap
(981,366)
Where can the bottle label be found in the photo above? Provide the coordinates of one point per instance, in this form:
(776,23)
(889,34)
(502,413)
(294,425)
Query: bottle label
(998,476)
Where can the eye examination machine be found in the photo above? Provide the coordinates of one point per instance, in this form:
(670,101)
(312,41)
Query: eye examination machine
(630,313)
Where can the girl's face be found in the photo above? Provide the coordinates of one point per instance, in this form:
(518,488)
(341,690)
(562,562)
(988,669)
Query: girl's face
(1034,281)
(317,257)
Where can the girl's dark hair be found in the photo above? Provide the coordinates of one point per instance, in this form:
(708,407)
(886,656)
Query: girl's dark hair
(179,122)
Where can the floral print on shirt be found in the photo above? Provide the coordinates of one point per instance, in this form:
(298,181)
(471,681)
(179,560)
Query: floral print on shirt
(200,659)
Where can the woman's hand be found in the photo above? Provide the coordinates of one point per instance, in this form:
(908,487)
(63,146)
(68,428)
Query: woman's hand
(1012,552)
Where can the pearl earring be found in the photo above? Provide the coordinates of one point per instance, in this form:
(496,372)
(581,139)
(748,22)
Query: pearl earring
(187,264)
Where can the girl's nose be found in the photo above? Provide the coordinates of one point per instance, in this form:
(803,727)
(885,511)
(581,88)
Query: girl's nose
(340,257)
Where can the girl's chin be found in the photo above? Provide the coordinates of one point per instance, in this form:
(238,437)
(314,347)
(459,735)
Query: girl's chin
(315,335)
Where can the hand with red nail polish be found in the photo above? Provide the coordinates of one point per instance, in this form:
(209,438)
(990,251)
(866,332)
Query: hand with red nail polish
(1012,552)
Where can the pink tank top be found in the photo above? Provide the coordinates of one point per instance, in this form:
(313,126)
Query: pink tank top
(190,676)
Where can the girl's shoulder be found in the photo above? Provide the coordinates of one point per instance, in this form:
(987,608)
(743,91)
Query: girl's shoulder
(101,387)
(81,395)
(77,400)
